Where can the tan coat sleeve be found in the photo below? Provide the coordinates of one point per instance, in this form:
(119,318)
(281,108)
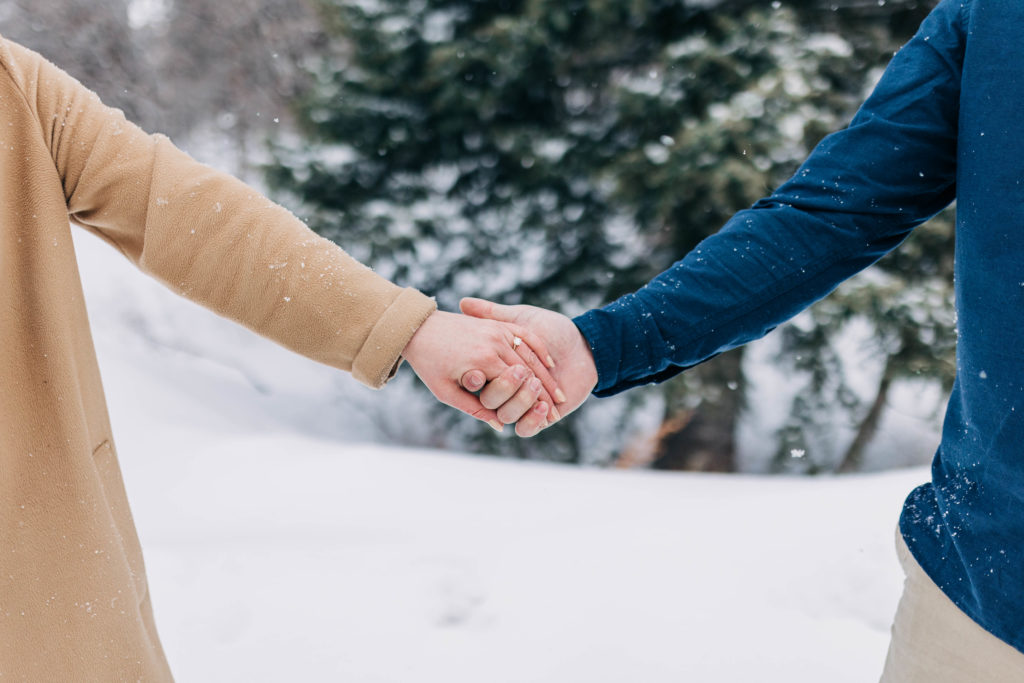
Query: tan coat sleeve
(210,237)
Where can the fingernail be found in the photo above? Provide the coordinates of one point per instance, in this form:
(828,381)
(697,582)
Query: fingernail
(519,371)
(560,396)
(551,362)
(496,426)
(535,384)
(556,414)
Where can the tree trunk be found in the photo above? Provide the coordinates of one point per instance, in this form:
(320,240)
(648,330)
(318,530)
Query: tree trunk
(704,439)
(854,457)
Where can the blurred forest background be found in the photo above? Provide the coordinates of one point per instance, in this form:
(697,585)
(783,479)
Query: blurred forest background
(559,153)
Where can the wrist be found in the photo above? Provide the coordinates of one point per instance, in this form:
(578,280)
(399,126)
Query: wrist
(420,339)
(586,351)
(589,369)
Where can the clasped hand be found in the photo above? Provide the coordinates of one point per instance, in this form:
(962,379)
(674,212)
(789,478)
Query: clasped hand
(519,365)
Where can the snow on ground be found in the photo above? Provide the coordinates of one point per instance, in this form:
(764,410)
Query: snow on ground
(282,545)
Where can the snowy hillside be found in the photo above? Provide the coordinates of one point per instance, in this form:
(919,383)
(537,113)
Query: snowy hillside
(283,545)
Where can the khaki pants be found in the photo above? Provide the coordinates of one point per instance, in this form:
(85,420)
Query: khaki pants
(933,641)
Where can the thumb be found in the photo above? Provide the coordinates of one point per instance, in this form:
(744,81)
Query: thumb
(473,380)
(481,308)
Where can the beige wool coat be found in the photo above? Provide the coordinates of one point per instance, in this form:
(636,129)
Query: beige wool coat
(74,604)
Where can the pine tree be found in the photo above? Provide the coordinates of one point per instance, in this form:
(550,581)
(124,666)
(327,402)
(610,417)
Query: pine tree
(563,152)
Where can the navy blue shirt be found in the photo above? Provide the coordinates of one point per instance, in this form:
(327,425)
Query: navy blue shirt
(945,122)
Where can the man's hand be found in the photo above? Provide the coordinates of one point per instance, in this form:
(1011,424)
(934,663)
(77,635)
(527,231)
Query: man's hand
(448,346)
(574,371)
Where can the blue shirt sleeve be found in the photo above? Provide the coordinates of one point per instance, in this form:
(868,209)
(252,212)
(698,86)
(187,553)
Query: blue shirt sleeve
(857,196)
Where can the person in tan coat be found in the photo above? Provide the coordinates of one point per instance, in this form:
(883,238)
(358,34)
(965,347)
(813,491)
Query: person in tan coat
(74,603)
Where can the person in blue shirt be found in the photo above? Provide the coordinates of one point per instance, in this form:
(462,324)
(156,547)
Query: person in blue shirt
(945,122)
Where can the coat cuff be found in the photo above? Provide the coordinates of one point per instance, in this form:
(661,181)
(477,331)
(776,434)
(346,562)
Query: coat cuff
(381,354)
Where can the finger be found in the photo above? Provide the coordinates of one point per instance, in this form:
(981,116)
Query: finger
(533,422)
(482,308)
(470,404)
(473,380)
(536,344)
(520,404)
(503,387)
(523,354)
(527,352)
(493,362)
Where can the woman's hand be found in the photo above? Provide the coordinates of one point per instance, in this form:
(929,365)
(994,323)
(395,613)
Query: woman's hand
(576,372)
(511,376)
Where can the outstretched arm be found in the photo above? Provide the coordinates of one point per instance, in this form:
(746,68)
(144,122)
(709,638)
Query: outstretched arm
(857,196)
(222,244)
